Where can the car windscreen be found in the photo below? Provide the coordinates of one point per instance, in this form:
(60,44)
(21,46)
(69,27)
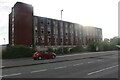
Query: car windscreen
(44,52)
(35,53)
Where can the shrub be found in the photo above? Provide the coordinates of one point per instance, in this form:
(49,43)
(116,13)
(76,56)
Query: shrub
(67,50)
(59,50)
(50,49)
(77,49)
(17,52)
(94,46)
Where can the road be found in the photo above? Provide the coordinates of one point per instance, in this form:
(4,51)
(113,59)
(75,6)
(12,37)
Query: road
(105,66)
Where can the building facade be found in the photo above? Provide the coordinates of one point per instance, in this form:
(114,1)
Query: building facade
(20,24)
(28,29)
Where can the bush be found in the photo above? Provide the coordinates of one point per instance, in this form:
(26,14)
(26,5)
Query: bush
(77,49)
(17,52)
(67,50)
(50,49)
(94,46)
(101,46)
(59,50)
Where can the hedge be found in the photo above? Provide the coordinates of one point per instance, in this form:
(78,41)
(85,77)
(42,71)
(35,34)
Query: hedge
(67,50)
(17,52)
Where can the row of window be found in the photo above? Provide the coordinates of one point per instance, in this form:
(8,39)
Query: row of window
(13,26)
(55,32)
(50,41)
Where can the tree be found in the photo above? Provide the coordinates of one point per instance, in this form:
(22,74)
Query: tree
(114,40)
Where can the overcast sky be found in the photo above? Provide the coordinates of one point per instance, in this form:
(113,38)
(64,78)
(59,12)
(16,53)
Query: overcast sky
(96,13)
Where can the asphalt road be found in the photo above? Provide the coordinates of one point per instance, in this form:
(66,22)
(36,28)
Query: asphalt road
(105,66)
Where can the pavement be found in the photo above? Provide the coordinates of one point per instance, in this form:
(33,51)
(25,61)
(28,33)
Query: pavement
(10,63)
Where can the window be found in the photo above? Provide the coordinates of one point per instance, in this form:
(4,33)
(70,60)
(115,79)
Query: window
(12,34)
(49,40)
(45,52)
(61,29)
(48,21)
(42,31)
(35,31)
(66,29)
(42,39)
(12,29)
(13,23)
(71,30)
(61,40)
(12,19)
(53,23)
(12,40)
(48,27)
(66,34)
(35,27)
(66,40)
(49,33)
(35,21)
(41,22)
(13,13)
(55,27)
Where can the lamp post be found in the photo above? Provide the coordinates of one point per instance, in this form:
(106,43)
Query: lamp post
(61,14)
(62,31)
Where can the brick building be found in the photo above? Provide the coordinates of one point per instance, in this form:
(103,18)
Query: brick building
(28,29)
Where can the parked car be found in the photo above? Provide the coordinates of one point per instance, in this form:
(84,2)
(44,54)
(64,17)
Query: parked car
(43,55)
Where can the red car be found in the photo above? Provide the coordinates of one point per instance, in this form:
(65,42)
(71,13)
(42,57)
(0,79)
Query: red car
(44,55)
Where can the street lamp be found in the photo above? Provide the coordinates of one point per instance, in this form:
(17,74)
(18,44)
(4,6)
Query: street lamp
(62,31)
(61,14)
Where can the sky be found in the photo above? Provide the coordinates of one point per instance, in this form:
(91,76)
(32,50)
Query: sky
(97,13)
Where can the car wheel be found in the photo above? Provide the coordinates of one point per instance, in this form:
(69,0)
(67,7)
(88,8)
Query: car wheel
(35,59)
(39,58)
(53,57)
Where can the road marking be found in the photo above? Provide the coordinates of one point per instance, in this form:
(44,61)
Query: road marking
(39,71)
(77,64)
(12,75)
(1,76)
(90,61)
(2,66)
(60,67)
(99,60)
(101,70)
